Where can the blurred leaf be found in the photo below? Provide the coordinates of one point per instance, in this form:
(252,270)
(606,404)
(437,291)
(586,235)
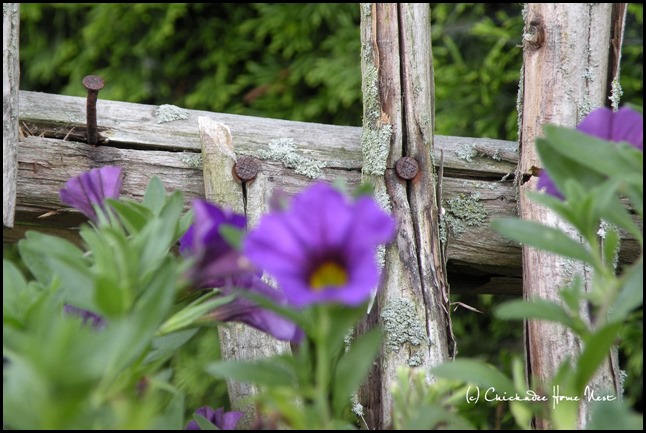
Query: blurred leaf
(542,237)
(155,195)
(165,345)
(632,293)
(475,372)
(353,367)
(614,415)
(268,372)
(37,247)
(232,235)
(616,160)
(133,215)
(596,350)
(537,309)
(17,295)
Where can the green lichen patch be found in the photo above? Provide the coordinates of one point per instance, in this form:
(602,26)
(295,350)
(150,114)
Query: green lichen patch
(193,160)
(464,210)
(403,327)
(168,113)
(375,145)
(284,150)
(467,152)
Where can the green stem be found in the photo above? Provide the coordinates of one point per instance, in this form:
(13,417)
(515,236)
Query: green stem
(322,363)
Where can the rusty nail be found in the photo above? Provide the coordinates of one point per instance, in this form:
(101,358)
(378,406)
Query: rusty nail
(246,168)
(407,168)
(93,83)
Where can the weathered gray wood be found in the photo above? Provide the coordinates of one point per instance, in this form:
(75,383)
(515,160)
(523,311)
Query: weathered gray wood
(135,126)
(10,81)
(397,84)
(44,165)
(564,77)
(237,341)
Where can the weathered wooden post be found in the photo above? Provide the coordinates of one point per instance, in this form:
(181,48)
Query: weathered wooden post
(565,75)
(10,80)
(398,92)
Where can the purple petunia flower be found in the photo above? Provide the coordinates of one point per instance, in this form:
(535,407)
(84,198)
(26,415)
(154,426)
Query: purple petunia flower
(218,417)
(219,265)
(323,247)
(88,317)
(91,188)
(623,125)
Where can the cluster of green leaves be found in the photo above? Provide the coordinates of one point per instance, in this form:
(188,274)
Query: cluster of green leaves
(290,61)
(63,374)
(324,371)
(593,174)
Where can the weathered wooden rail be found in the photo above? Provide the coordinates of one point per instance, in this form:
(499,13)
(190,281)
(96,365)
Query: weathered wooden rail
(473,187)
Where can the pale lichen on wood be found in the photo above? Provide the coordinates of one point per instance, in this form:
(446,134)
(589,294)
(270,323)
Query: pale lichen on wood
(284,150)
(169,113)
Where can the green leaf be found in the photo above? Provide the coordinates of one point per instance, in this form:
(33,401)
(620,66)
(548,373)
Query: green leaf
(537,309)
(110,299)
(232,235)
(596,350)
(164,346)
(17,295)
(611,209)
(271,372)
(616,160)
(477,373)
(133,215)
(37,247)
(155,195)
(559,207)
(542,237)
(354,366)
(632,293)
(614,415)
(562,168)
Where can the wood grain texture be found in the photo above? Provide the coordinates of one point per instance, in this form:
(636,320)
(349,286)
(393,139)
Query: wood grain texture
(411,306)
(44,165)
(134,126)
(10,83)
(565,74)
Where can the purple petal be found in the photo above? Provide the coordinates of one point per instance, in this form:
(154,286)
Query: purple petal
(246,311)
(623,125)
(628,126)
(89,317)
(546,183)
(92,188)
(218,417)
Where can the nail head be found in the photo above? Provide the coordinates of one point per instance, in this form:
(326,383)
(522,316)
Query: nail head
(407,168)
(93,82)
(246,168)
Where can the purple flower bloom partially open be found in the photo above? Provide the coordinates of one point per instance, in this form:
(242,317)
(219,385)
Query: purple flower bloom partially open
(245,310)
(88,317)
(214,257)
(323,248)
(91,188)
(217,264)
(218,417)
(623,125)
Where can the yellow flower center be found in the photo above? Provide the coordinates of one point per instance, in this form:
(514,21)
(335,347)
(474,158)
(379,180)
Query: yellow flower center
(329,274)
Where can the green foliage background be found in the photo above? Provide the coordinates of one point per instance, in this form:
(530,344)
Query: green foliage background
(290,61)
(298,62)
